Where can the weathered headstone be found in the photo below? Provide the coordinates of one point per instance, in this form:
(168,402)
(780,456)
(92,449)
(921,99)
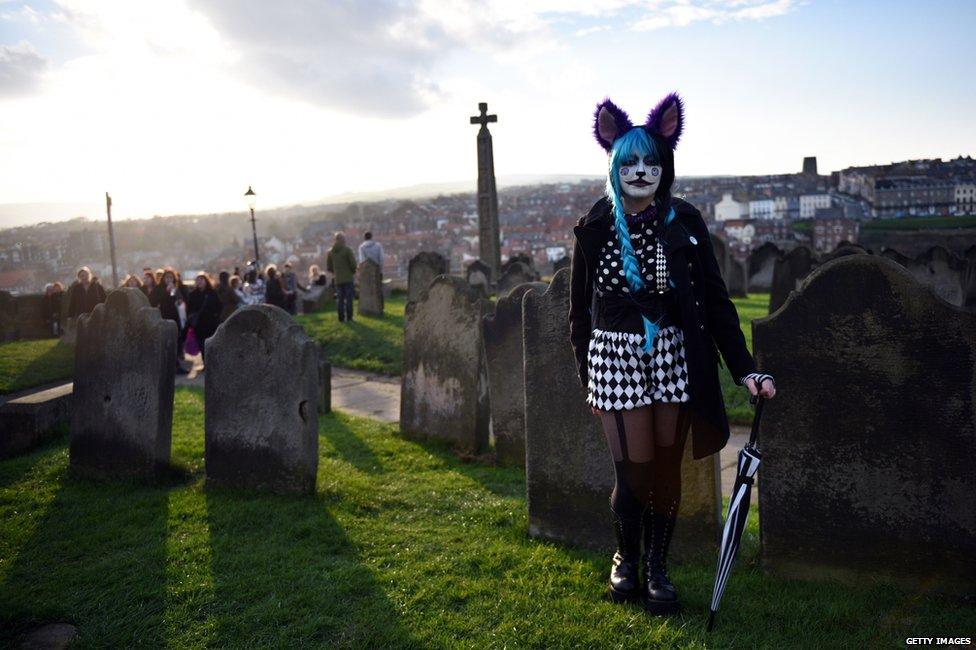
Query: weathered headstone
(325,382)
(261,420)
(518,258)
(937,268)
(423,268)
(444,391)
(517,273)
(761,263)
(370,288)
(317,299)
(122,401)
(479,276)
(868,447)
(738,279)
(568,467)
(489,234)
(506,374)
(735,278)
(788,270)
(563,262)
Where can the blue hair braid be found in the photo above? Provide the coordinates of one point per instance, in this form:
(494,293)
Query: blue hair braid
(638,143)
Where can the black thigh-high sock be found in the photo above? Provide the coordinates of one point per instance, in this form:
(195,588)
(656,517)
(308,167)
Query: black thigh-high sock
(633,481)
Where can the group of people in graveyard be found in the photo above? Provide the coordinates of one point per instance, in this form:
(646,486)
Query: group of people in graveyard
(200,308)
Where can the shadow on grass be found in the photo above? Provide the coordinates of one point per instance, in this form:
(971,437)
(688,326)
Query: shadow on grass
(500,480)
(13,470)
(351,448)
(57,363)
(285,574)
(95,558)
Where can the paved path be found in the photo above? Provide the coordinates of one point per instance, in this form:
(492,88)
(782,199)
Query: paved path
(377,396)
(353,391)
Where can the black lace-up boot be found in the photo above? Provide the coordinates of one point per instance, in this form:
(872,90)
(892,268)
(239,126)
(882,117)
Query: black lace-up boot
(659,594)
(625,573)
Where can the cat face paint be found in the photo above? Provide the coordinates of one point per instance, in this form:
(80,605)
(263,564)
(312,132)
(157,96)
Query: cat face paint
(639,177)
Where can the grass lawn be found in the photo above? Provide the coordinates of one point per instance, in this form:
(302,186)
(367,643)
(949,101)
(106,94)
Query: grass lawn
(755,305)
(402,546)
(373,344)
(24,364)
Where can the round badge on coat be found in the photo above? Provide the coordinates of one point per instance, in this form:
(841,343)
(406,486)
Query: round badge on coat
(693,240)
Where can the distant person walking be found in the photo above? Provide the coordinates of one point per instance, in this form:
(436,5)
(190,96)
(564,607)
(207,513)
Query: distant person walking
(292,286)
(371,249)
(229,298)
(148,284)
(274,290)
(171,299)
(341,262)
(84,293)
(133,282)
(51,307)
(203,311)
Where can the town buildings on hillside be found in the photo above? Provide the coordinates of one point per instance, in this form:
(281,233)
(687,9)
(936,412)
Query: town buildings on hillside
(786,209)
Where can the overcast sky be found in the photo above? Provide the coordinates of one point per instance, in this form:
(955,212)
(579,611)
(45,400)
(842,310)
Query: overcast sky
(178,105)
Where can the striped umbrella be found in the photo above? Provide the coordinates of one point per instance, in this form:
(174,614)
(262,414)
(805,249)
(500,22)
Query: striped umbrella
(735,521)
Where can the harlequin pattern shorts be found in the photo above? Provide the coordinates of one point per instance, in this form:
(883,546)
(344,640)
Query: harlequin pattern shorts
(622,376)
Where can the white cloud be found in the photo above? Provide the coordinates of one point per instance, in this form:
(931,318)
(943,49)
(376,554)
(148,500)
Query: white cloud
(681,13)
(21,69)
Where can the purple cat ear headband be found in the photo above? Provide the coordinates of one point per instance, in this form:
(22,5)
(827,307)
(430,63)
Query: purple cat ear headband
(666,121)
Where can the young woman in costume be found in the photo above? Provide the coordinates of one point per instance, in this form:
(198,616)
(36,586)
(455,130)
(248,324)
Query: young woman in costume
(649,314)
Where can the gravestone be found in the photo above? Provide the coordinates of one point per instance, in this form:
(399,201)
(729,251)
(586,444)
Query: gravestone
(516,273)
(325,382)
(444,391)
(423,268)
(788,270)
(122,401)
(968,282)
(563,262)
(761,263)
(506,374)
(261,420)
(738,283)
(478,276)
(937,268)
(317,299)
(518,258)
(868,447)
(734,278)
(370,288)
(568,467)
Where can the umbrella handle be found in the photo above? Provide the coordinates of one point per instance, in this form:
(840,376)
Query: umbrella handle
(759,402)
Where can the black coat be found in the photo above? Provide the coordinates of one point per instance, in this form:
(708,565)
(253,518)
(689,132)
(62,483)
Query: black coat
(81,300)
(705,313)
(203,312)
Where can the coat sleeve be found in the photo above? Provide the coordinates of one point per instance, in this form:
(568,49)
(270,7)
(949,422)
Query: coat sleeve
(722,318)
(579,312)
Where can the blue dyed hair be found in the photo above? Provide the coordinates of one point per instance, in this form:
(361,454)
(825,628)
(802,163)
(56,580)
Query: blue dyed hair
(636,143)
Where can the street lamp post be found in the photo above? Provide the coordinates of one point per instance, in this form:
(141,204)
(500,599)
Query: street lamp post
(252,200)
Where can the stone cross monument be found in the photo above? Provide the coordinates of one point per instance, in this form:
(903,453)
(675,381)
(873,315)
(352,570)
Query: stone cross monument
(490,249)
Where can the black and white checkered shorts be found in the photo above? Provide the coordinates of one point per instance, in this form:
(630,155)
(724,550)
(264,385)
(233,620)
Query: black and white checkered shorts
(622,376)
